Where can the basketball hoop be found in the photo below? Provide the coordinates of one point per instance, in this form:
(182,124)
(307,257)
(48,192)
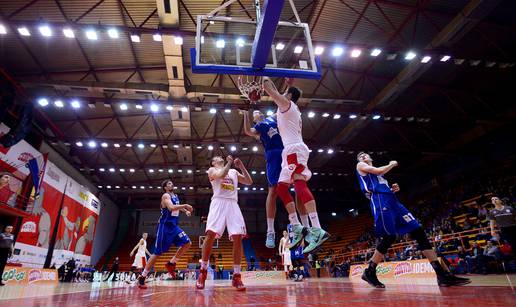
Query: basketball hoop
(252,88)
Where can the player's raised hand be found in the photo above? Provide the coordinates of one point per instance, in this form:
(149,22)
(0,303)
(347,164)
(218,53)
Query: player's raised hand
(395,188)
(188,208)
(130,254)
(239,163)
(229,159)
(242,112)
(188,213)
(289,81)
(394,163)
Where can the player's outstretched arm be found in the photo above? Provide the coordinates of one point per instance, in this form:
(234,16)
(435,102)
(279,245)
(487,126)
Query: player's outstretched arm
(214,173)
(167,201)
(280,100)
(382,170)
(248,130)
(244,177)
(135,247)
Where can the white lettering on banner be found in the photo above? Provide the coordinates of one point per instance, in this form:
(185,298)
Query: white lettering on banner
(422,268)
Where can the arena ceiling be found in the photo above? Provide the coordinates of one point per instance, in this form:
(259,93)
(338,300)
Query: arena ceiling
(127,97)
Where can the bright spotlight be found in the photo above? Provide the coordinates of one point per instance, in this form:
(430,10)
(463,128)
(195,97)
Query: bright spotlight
(43,102)
(24,31)
(91,35)
(410,55)
(45,31)
(337,51)
(68,33)
(113,33)
(220,43)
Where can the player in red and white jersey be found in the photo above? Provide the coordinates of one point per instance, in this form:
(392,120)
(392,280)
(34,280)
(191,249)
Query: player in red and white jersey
(294,166)
(225,213)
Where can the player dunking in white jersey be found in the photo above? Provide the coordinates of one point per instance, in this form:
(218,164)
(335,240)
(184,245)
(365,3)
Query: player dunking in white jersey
(294,166)
(225,213)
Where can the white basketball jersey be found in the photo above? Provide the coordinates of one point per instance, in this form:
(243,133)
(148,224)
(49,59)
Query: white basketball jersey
(289,125)
(142,248)
(226,187)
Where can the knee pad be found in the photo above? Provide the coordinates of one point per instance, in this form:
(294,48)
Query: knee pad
(385,243)
(284,193)
(422,241)
(302,191)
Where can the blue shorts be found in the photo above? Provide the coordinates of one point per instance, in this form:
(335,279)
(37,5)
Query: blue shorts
(167,235)
(297,254)
(390,216)
(273,158)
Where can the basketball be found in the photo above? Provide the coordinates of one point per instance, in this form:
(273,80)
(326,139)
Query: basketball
(254,95)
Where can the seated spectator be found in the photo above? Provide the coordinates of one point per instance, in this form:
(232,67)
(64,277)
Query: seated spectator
(461,255)
(473,257)
(467,225)
(491,253)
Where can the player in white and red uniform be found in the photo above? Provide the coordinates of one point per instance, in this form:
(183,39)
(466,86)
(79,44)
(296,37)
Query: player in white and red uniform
(140,259)
(225,213)
(294,167)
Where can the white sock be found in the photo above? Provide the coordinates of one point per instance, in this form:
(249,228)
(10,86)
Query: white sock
(293,219)
(270,225)
(236,269)
(204,264)
(145,272)
(314,218)
(304,220)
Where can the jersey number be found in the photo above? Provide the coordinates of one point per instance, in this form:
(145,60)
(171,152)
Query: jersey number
(409,217)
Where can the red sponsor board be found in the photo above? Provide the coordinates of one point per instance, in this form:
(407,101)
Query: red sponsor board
(413,271)
(33,239)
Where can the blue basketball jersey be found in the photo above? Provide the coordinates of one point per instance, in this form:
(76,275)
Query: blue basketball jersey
(290,233)
(170,217)
(373,184)
(269,134)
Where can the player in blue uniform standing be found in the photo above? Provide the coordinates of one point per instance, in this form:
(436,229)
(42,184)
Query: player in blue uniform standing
(391,218)
(266,130)
(168,232)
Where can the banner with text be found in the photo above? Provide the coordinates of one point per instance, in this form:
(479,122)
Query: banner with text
(402,272)
(19,275)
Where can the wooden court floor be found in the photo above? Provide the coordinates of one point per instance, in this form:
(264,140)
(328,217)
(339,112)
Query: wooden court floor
(491,290)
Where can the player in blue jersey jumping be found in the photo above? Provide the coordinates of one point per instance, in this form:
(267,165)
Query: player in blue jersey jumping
(391,218)
(266,130)
(168,232)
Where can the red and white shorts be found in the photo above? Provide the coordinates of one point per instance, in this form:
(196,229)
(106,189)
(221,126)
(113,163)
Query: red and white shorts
(286,258)
(225,213)
(139,261)
(294,161)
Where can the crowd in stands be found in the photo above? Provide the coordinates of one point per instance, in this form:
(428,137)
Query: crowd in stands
(444,218)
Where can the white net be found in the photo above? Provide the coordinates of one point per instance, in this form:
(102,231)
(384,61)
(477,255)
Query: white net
(251,87)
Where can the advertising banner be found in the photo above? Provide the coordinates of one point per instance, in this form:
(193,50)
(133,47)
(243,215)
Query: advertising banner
(398,272)
(26,276)
(33,240)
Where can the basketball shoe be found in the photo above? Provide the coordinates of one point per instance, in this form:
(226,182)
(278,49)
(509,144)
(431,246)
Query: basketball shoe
(201,280)
(269,241)
(316,237)
(171,268)
(237,282)
(299,232)
(141,282)
(370,277)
